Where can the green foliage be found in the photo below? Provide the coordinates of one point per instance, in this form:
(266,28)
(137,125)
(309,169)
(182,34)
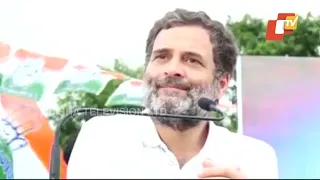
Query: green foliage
(250,35)
(71,100)
(119,66)
(231,118)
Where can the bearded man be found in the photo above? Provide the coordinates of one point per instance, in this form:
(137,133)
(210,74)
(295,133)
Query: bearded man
(188,56)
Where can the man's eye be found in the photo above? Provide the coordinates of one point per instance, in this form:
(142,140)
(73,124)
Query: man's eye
(193,61)
(161,57)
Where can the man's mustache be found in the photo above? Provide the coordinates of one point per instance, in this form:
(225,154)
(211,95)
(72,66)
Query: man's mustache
(172,82)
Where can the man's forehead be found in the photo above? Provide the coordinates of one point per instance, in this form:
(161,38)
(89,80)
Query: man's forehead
(188,39)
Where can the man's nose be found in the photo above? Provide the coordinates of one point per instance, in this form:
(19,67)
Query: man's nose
(174,69)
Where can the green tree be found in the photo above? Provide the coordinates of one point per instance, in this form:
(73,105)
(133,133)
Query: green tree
(250,34)
(231,119)
(121,67)
(71,100)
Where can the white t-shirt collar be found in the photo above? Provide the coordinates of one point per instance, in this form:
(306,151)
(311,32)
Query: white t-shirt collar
(150,136)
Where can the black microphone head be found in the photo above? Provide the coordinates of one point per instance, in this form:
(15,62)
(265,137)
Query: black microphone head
(206,103)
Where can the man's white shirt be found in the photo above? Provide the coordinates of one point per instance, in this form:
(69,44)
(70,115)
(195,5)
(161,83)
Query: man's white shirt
(124,146)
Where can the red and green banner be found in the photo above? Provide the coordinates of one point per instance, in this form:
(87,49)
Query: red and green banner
(129,93)
(80,78)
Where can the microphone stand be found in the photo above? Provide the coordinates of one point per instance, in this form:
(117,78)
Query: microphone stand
(54,171)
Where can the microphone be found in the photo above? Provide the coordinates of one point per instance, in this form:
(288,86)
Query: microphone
(54,171)
(209,105)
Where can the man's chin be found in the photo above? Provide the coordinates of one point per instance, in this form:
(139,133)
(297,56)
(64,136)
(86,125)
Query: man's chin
(177,124)
(172,92)
(169,100)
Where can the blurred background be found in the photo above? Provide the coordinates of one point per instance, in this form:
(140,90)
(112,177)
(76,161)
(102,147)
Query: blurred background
(59,55)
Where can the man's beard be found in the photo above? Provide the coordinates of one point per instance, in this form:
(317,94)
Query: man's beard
(174,103)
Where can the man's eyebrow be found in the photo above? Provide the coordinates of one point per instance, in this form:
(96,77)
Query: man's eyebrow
(189,53)
(185,53)
(161,50)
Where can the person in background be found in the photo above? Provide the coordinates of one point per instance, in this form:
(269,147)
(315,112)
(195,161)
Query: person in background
(188,56)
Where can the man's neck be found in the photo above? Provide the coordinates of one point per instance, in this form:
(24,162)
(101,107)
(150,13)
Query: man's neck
(184,145)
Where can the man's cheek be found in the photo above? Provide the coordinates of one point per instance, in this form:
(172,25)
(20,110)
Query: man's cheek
(151,78)
(154,71)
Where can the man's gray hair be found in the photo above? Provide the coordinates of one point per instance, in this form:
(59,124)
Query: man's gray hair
(225,50)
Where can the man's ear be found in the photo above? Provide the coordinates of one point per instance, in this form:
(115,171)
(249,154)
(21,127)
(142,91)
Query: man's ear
(224,82)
